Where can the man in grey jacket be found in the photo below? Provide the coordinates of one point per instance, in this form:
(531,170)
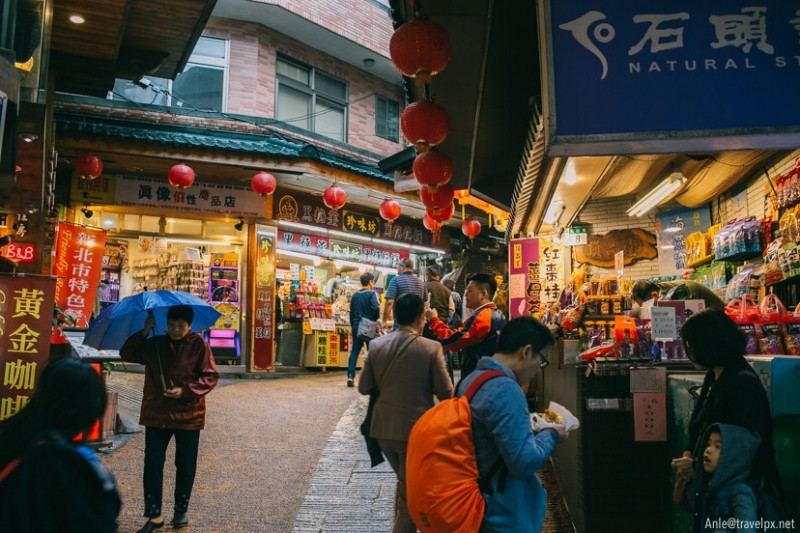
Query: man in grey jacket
(408,370)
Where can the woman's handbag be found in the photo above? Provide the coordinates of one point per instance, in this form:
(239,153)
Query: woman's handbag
(374,450)
(368,329)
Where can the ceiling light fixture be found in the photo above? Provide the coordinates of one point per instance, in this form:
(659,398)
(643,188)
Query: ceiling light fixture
(88,213)
(554,212)
(77,19)
(664,190)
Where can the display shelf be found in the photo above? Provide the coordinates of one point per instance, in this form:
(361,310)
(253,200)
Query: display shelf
(700,261)
(743,256)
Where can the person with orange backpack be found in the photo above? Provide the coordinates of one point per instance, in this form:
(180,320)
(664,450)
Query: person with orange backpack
(472,460)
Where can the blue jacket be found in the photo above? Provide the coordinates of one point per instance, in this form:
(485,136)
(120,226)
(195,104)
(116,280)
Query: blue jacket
(725,493)
(501,427)
(363,303)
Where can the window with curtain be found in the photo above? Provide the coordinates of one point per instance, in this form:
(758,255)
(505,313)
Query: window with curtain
(202,84)
(310,99)
(386,118)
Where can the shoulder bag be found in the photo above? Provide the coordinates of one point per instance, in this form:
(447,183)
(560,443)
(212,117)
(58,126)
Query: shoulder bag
(374,450)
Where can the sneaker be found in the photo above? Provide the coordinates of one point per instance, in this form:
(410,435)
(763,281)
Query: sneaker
(350,382)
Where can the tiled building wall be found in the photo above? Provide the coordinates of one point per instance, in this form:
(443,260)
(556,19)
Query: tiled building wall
(251,86)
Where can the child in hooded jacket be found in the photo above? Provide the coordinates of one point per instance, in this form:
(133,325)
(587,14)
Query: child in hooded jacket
(720,484)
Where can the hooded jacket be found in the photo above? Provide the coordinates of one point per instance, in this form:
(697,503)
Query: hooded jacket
(725,494)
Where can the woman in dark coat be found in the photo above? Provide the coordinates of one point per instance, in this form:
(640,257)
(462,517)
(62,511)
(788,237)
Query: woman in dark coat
(49,483)
(731,393)
(179,372)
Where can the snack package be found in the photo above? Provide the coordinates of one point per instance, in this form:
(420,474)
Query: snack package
(554,414)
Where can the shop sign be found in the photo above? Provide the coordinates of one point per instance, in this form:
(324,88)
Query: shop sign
(672,228)
(21,252)
(345,250)
(300,242)
(308,210)
(326,348)
(199,198)
(264,305)
(536,275)
(610,60)
(79,258)
(26,320)
(322,324)
(361,224)
(96,191)
(576,236)
(227,259)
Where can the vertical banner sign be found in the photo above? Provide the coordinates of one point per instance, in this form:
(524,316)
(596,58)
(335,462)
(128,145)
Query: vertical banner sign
(551,258)
(264,301)
(524,277)
(79,258)
(327,348)
(26,318)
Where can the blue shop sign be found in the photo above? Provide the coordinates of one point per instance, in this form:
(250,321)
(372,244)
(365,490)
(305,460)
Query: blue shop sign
(626,76)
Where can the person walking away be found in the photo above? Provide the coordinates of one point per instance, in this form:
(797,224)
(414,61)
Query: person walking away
(404,282)
(720,492)
(502,433)
(408,371)
(48,482)
(440,297)
(365,304)
(476,337)
(731,394)
(179,372)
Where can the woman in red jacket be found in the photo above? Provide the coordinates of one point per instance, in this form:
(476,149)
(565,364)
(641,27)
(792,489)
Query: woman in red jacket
(179,372)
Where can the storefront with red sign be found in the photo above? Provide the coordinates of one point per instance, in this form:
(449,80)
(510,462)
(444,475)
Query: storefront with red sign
(321,254)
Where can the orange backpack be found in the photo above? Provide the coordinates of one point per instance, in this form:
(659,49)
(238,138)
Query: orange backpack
(442,482)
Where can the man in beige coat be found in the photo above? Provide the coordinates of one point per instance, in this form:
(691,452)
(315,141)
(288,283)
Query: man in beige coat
(406,390)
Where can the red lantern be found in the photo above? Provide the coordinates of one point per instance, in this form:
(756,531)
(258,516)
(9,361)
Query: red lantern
(471,228)
(390,210)
(435,226)
(420,49)
(435,200)
(433,168)
(263,183)
(88,166)
(442,214)
(424,124)
(181,176)
(334,197)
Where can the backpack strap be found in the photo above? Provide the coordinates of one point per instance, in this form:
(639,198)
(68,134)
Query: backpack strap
(484,483)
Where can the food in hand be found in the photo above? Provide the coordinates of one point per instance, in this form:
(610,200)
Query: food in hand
(552,416)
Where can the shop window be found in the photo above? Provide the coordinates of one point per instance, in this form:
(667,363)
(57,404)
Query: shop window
(310,99)
(202,84)
(149,224)
(183,226)
(386,118)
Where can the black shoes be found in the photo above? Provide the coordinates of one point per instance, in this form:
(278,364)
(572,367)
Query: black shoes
(180,520)
(350,382)
(149,527)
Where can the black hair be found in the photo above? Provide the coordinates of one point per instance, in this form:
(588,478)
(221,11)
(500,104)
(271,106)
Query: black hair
(181,312)
(433,271)
(712,339)
(407,309)
(365,278)
(450,283)
(521,331)
(69,397)
(643,289)
(486,282)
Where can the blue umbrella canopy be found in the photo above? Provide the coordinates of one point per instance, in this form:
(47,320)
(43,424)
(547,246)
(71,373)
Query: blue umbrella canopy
(110,329)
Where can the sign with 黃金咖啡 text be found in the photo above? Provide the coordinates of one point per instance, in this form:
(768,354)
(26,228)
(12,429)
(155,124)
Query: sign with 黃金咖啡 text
(26,319)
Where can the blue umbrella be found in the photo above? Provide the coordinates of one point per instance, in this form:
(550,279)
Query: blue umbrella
(110,329)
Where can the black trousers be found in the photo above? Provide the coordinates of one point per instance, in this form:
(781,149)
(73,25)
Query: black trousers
(156,441)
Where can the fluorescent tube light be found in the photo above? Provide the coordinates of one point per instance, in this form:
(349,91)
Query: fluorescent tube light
(665,189)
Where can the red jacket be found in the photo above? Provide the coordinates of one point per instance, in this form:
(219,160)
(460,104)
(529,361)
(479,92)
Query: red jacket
(473,331)
(187,364)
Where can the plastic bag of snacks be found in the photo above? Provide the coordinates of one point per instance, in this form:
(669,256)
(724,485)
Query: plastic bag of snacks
(769,326)
(742,311)
(791,332)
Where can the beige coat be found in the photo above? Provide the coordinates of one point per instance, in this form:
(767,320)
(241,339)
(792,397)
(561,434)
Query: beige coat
(409,387)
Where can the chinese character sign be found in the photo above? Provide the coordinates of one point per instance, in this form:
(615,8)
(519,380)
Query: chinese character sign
(692,57)
(524,277)
(672,228)
(265,301)
(26,318)
(79,258)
